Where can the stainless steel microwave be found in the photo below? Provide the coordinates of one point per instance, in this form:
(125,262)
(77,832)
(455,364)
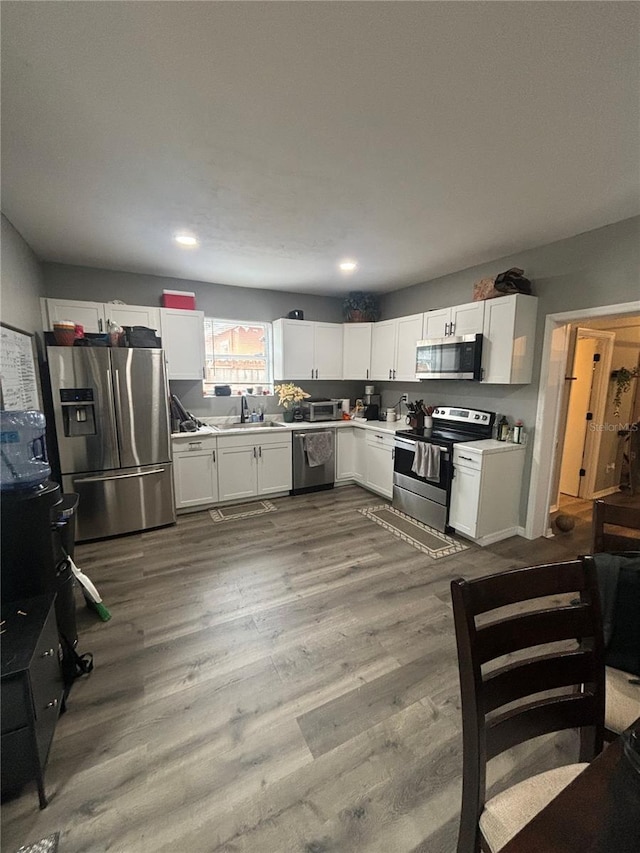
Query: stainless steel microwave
(450,358)
(322,410)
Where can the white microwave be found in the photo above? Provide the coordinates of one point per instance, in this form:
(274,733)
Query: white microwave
(450,358)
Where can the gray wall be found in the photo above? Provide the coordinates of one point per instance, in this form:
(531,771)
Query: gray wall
(216,300)
(22,281)
(600,267)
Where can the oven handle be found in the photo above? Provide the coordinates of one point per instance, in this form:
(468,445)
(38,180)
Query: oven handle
(408,444)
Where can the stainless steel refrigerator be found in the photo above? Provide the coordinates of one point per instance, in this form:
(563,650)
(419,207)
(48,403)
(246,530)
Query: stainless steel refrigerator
(111,414)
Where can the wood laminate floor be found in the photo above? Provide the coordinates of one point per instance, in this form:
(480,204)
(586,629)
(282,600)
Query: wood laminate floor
(281,683)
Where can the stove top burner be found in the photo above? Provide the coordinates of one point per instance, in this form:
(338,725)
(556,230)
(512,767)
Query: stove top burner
(439,436)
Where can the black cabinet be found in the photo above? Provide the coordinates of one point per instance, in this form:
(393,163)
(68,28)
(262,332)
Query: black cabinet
(31,690)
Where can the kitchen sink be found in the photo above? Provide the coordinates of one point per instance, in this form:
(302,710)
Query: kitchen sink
(249,425)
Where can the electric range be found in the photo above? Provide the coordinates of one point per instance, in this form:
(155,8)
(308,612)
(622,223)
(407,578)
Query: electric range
(427,499)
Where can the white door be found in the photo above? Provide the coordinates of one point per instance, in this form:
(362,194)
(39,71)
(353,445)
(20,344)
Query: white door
(89,315)
(436,323)
(465,498)
(497,343)
(360,455)
(380,468)
(237,472)
(328,350)
(408,334)
(133,315)
(356,361)
(183,343)
(274,468)
(468,319)
(383,349)
(297,350)
(345,453)
(195,478)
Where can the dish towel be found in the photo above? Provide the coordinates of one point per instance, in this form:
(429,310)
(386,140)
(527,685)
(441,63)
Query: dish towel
(319,448)
(426,460)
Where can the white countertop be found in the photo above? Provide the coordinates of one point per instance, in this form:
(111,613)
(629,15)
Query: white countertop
(488,445)
(390,428)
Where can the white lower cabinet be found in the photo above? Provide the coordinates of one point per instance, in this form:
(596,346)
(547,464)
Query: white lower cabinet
(195,475)
(345,453)
(485,493)
(379,463)
(248,467)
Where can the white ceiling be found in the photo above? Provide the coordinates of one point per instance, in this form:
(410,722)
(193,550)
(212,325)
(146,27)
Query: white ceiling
(419,138)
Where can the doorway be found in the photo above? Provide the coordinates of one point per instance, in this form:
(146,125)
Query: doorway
(584,404)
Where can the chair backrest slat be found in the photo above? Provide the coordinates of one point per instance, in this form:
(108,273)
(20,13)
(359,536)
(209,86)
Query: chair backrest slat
(532,629)
(620,516)
(539,718)
(524,584)
(547,672)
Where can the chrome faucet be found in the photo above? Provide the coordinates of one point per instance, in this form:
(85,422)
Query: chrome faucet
(244,410)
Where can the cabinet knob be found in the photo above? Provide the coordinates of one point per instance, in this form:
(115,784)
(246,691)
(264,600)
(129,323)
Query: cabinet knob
(52,704)
(48,654)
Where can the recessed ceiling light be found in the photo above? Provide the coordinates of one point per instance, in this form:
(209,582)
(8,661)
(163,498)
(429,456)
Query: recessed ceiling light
(186,240)
(348,266)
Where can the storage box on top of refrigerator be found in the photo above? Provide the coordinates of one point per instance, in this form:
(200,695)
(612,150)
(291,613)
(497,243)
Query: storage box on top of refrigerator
(111,415)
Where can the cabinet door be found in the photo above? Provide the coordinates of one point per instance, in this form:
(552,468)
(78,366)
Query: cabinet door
(356,361)
(90,315)
(133,315)
(328,350)
(360,455)
(345,454)
(237,472)
(183,343)
(383,349)
(408,334)
(468,319)
(380,468)
(436,323)
(498,343)
(465,498)
(293,343)
(195,478)
(274,468)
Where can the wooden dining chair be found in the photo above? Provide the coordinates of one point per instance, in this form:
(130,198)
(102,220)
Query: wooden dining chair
(622,692)
(488,727)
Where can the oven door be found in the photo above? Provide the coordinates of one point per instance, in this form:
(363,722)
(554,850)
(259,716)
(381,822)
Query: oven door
(449,358)
(436,489)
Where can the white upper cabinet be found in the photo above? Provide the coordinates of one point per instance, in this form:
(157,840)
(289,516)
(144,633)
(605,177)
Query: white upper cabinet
(183,342)
(356,359)
(132,315)
(89,315)
(409,331)
(303,349)
(509,336)
(393,348)
(467,319)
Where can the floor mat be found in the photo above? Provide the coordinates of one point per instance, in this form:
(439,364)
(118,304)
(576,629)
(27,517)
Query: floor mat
(45,845)
(422,537)
(235,511)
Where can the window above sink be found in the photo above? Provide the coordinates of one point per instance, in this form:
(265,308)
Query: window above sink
(238,353)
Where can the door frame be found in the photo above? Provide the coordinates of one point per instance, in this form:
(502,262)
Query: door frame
(553,365)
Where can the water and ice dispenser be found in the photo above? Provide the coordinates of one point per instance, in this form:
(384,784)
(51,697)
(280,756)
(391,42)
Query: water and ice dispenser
(78,411)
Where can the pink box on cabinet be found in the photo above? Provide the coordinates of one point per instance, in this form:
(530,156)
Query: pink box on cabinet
(179,299)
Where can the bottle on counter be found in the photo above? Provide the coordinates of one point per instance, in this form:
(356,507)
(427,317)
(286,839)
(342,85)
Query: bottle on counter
(503,429)
(517,432)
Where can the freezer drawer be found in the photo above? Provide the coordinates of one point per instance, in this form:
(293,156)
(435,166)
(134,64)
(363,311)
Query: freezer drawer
(123,500)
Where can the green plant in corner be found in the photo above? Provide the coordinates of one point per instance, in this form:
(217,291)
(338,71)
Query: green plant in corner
(360,307)
(623,379)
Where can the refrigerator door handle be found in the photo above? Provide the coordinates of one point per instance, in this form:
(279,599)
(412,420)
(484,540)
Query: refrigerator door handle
(118,476)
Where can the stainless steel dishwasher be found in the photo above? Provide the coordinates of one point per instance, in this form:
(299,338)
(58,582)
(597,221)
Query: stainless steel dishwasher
(307,476)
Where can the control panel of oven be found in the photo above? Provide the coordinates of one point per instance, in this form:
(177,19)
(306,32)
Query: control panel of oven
(463,416)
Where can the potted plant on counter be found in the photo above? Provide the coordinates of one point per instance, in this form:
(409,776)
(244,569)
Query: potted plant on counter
(360,307)
(289,396)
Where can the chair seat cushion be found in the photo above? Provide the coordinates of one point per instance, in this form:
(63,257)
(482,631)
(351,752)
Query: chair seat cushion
(622,700)
(505,814)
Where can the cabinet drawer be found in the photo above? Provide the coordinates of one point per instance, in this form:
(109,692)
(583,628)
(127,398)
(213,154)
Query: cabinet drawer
(256,439)
(191,445)
(19,763)
(467,459)
(379,439)
(44,672)
(14,704)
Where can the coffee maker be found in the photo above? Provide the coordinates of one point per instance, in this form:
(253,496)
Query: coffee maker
(372,403)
